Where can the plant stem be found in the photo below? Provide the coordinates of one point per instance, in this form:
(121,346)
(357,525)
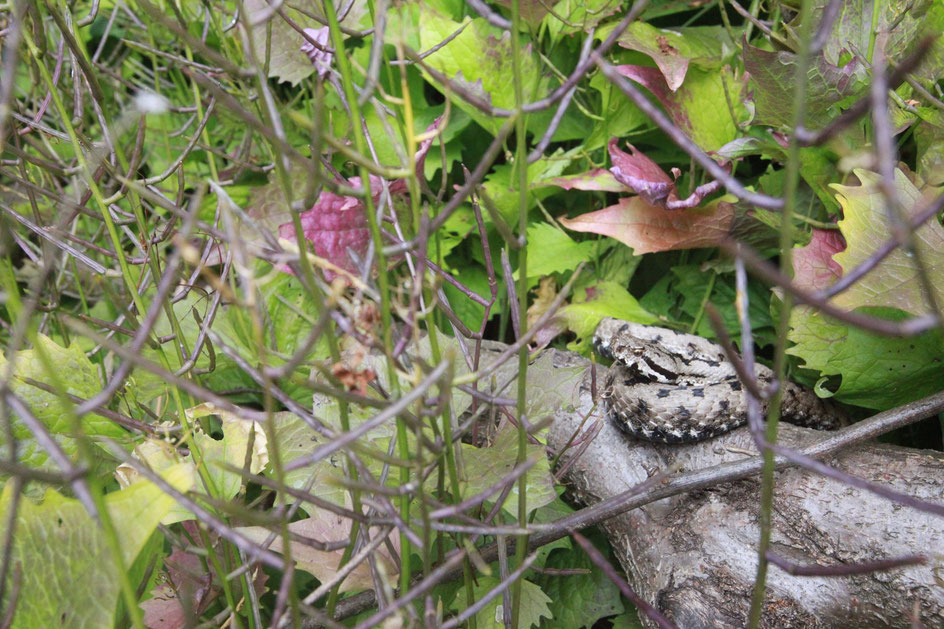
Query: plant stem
(383,281)
(521,163)
(791,181)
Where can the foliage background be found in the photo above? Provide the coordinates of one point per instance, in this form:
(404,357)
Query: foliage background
(185,391)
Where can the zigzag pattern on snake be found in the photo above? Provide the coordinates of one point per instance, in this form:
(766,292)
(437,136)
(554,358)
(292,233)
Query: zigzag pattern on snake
(672,387)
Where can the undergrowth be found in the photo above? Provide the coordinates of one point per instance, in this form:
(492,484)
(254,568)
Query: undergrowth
(203,427)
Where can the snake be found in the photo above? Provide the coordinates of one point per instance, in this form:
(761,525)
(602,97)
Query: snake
(671,387)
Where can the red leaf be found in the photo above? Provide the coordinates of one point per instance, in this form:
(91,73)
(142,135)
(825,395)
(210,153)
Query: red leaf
(634,172)
(333,225)
(654,81)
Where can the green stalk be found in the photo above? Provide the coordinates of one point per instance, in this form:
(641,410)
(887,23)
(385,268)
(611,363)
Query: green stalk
(414,187)
(383,281)
(14,303)
(873,31)
(521,162)
(436,352)
(138,211)
(704,302)
(749,26)
(791,181)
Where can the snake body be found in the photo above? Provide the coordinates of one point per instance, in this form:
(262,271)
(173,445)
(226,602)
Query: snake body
(672,387)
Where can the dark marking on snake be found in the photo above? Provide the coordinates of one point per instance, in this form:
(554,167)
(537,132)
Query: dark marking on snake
(659,369)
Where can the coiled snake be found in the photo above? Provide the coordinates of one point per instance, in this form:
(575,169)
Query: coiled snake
(672,387)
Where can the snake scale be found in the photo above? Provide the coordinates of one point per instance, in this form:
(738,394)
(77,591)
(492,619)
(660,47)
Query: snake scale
(671,387)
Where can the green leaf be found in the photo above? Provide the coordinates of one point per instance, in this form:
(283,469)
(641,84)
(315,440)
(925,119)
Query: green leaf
(877,371)
(501,185)
(230,450)
(700,107)
(550,250)
(148,386)
(457,228)
(605,299)
(578,16)
(486,466)
(534,605)
(289,314)
(899,20)
(894,282)
(546,515)
(296,439)
(692,286)
(69,575)
(929,141)
(629,620)
(773,77)
(577,600)
(286,60)
(619,265)
(677,297)
(662,299)
(818,169)
(619,115)
(479,58)
(80,377)
(475,279)
(672,50)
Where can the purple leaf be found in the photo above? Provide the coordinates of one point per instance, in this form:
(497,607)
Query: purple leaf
(640,174)
(337,225)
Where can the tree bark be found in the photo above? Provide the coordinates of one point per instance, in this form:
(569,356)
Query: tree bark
(694,556)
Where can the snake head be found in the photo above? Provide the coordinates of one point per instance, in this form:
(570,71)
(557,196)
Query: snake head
(632,346)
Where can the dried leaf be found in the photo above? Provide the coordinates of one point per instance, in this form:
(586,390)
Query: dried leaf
(325,526)
(354,379)
(544,296)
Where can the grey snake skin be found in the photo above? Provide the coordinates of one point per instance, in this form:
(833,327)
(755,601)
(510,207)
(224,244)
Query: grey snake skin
(671,387)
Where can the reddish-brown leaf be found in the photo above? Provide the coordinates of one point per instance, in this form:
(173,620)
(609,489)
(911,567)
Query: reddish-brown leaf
(647,228)
(813,265)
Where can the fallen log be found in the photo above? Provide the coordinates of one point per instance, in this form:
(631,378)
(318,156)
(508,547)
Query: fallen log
(694,557)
